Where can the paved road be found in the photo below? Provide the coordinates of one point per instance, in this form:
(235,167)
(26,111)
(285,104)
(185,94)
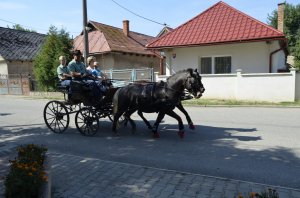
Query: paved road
(249,144)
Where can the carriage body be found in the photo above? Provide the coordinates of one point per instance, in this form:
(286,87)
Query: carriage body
(85,101)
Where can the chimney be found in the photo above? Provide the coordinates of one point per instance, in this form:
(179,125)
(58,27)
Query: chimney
(126,27)
(280,16)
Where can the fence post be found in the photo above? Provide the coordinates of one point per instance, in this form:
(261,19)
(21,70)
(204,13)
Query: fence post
(133,75)
(21,83)
(238,83)
(153,79)
(110,73)
(293,72)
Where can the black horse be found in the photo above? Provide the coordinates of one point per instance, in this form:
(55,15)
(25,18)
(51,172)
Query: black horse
(158,97)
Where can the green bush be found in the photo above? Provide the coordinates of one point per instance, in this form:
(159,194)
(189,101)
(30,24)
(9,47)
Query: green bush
(270,193)
(26,173)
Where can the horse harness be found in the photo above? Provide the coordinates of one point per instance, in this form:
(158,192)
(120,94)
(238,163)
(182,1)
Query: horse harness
(148,94)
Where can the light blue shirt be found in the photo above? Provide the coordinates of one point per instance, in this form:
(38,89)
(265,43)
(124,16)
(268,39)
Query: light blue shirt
(77,67)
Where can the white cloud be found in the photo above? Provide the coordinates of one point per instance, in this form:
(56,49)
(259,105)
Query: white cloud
(12,6)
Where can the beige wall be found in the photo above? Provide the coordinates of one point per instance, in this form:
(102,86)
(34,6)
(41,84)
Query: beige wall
(250,57)
(3,66)
(126,61)
(19,67)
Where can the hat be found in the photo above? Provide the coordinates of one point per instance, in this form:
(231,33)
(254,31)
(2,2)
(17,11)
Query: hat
(77,53)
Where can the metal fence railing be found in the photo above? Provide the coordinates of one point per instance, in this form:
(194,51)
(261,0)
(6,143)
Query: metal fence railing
(125,76)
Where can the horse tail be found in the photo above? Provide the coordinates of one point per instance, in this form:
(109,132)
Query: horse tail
(116,102)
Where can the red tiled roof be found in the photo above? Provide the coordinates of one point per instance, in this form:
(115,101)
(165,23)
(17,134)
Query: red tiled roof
(104,38)
(220,23)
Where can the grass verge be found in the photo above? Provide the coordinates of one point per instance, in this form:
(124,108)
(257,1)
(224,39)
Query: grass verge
(219,102)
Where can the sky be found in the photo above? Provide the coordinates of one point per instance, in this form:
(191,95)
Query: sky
(39,15)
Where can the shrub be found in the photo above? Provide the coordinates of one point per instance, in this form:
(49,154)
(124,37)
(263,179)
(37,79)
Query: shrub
(270,193)
(26,173)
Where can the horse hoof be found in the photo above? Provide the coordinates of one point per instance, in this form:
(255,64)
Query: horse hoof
(156,135)
(116,134)
(181,134)
(192,126)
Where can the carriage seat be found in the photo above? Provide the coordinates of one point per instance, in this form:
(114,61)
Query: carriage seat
(61,88)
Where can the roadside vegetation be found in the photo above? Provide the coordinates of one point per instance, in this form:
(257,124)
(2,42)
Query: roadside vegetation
(219,102)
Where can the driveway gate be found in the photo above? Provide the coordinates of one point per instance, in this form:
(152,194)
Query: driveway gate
(14,84)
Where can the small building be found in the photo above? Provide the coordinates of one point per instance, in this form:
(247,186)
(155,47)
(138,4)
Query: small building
(18,49)
(221,40)
(116,48)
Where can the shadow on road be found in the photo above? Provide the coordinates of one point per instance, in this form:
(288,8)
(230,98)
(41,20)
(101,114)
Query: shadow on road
(234,153)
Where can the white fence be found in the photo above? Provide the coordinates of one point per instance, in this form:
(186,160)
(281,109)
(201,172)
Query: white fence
(272,87)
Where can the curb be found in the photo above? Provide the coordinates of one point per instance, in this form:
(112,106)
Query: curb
(46,189)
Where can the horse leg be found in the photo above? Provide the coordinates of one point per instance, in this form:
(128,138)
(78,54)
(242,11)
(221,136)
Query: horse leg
(115,122)
(159,118)
(180,124)
(188,118)
(140,113)
(128,118)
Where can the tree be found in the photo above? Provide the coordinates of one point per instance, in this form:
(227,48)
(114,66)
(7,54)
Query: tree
(291,27)
(58,43)
(19,27)
(297,51)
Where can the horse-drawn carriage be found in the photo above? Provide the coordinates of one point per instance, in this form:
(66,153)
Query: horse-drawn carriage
(118,104)
(81,99)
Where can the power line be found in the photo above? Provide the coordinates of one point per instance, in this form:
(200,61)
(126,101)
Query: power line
(29,26)
(21,25)
(163,24)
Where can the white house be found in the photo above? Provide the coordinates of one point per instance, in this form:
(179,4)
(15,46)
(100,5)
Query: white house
(238,56)
(221,40)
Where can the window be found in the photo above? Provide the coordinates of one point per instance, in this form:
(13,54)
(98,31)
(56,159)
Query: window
(205,67)
(222,65)
(215,65)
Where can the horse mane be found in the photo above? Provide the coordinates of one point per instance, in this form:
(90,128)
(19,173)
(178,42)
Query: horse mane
(190,70)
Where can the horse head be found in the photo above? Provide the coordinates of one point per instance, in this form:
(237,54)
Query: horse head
(194,84)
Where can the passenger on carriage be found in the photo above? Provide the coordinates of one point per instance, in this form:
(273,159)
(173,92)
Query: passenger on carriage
(94,70)
(98,72)
(63,72)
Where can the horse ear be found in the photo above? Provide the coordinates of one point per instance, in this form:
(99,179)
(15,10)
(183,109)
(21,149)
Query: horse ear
(191,71)
(196,70)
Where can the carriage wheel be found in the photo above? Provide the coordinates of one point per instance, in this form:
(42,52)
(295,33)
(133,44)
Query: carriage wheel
(56,116)
(87,122)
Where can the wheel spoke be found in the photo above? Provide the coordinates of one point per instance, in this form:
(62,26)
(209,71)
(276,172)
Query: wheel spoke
(53,117)
(62,123)
(49,113)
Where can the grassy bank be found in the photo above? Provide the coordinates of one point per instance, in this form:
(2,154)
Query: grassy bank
(219,102)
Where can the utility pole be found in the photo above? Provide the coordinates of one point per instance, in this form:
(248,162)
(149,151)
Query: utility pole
(85,32)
